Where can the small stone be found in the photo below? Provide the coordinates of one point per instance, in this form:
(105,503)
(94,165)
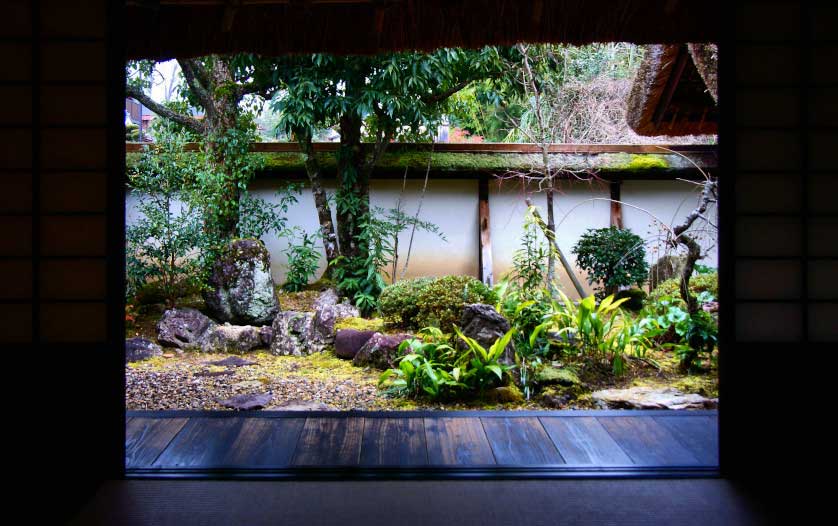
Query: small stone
(232,361)
(485,324)
(302,405)
(246,402)
(139,349)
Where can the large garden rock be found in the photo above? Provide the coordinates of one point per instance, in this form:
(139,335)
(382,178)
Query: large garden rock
(327,311)
(484,324)
(232,339)
(665,268)
(349,341)
(651,398)
(381,351)
(139,349)
(291,333)
(183,328)
(241,289)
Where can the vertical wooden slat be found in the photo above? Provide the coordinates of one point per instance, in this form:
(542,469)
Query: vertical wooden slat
(616,205)
(484,233)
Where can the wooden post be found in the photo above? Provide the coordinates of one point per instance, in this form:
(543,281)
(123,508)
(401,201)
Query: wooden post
(616,205)
(484,234)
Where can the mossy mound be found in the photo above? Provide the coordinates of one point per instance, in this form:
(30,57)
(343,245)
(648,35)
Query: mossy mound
(361,324)
(557,375)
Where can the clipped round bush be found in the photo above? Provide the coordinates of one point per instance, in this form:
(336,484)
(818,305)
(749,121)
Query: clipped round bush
(441,301)
(698,283)
(612,256)
(398,303)
(437,302)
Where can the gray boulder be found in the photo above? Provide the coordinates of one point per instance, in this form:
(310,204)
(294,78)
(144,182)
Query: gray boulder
(651,398)
(665,268)
(139,349)
(327,311)
(241,289)
(183,328)
(291,333)
(381,351)
(232,339)
(485,325)
(349,341)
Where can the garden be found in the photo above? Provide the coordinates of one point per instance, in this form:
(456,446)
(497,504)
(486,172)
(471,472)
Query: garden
(349,327)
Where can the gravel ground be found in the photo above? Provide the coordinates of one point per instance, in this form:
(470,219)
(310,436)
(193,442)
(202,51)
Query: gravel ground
(189,381)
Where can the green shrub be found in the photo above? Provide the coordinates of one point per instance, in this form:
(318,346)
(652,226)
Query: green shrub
(698,283)
(398,302)
(303,262)
(441,301)
(613,256)
(432,302)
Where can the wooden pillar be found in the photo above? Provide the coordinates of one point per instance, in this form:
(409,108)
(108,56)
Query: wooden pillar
(483,234)
(616,206)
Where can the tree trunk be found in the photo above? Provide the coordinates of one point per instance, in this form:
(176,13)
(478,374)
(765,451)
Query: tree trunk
(321,202)
(353,200)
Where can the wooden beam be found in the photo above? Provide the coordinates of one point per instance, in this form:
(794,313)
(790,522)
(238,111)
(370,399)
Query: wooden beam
(616,205)
(288,147)
(484,234)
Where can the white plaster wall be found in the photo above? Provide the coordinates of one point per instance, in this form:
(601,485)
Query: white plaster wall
(669,202)
(452,204)
(575,210)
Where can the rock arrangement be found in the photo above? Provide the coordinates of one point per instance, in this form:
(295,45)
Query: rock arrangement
(241,289)
(349,341)
(189,329)
(302,333)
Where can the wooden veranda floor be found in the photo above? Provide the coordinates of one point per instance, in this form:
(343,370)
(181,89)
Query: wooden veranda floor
(341,444)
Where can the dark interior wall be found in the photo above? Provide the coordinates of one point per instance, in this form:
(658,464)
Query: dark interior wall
(61,219)
(780,227)
(60,228)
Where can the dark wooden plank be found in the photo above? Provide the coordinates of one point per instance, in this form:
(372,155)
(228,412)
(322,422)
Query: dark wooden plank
(520,441)
(457,442)
(146,438)
(699,434)
(583,440)
(203,442)
(329,442)
(394,442)
(264,442)
(646,442)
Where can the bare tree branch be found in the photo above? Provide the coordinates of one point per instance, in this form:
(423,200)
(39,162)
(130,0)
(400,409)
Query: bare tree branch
(164,111)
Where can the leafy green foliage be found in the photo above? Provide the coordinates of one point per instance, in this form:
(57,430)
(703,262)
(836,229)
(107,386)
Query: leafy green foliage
(611,256)
(259,217)
(303,262)
(598,331)
(433,367)
(165,244)
(436,302)
(696,336)
(398,303)
(441,301)
(698,283)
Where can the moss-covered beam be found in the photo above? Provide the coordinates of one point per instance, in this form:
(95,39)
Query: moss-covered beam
(471,164)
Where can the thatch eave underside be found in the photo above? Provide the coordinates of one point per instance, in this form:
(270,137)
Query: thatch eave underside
(162,29)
